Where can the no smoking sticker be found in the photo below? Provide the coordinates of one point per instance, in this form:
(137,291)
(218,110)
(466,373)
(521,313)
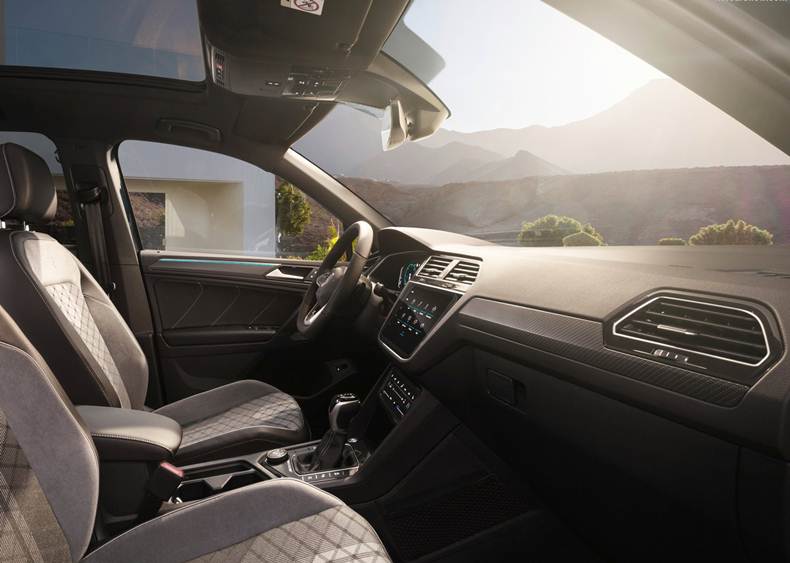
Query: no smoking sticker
(314,7)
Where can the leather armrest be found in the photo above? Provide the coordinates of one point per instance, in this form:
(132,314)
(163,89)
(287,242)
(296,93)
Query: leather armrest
(131,435)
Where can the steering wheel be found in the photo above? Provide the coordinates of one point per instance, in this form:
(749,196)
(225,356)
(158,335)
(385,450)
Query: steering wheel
(333,284)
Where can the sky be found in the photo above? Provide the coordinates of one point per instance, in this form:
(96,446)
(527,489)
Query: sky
(515,63)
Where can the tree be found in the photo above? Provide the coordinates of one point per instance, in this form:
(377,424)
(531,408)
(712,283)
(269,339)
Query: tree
(323,248)
(551,230)
(732,232)
(291,209)
(672,241)
(582,238)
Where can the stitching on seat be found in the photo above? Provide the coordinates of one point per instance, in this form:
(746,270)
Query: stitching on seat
(275,410)
(102,388)
(51,385)
(244,428)
(188,454)
(217,498)
(207,391)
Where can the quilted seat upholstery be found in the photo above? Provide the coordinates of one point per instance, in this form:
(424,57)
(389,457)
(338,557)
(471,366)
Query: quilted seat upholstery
(86,342)
(49,489)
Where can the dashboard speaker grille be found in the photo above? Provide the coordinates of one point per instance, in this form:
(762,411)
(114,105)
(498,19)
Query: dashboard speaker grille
(723,332)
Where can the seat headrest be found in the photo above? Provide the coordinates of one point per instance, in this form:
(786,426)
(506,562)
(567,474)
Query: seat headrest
(27,190)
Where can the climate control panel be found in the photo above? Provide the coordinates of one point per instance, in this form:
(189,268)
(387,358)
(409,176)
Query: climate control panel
(398,394)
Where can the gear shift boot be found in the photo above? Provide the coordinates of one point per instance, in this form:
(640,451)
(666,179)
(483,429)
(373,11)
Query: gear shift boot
(332,452)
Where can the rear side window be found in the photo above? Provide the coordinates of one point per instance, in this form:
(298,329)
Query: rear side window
(191,200)
(63,227)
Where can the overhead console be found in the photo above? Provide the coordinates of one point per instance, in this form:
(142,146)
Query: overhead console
(269,49)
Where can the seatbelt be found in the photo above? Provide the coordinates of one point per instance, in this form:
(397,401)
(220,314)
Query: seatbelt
(90,198)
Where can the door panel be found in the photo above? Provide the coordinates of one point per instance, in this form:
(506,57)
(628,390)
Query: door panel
(216,318)
(199,307)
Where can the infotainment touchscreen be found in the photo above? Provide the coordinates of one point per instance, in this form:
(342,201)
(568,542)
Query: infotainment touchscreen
(416,312)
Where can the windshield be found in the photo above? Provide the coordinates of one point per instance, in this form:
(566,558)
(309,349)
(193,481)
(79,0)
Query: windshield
(557,137)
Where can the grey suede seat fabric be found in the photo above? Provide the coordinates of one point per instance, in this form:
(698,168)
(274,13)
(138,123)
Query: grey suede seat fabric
(49,488)
(246,415)
(309,526)
(88,345)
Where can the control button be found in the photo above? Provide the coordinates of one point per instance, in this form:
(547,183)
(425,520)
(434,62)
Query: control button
(277,456)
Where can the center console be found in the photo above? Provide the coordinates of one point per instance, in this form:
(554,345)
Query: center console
(346,459)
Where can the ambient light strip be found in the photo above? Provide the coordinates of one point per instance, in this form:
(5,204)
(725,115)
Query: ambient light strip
(217,262)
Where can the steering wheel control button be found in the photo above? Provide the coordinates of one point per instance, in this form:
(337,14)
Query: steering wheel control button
(277,456)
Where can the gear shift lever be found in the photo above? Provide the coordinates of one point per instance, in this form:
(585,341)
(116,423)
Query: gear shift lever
(342,408)
(329,452)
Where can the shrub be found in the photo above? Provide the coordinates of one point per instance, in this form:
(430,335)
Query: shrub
(551,230)
(323,248)
(672,241)
(582,238)
(732,232)
(291,209)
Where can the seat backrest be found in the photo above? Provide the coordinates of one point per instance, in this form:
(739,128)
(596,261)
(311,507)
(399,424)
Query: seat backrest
(56,301)
(49,470)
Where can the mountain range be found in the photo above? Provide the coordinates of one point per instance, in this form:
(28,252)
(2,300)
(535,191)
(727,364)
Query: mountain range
(661,125)
(627,207)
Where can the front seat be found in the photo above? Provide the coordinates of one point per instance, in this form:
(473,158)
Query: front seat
(49,483)
(86,342)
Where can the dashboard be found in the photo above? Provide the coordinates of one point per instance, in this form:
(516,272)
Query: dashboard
(661,372)
(556,307)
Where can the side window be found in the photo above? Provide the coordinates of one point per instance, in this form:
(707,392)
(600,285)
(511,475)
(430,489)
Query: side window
(186,199)
(62,227)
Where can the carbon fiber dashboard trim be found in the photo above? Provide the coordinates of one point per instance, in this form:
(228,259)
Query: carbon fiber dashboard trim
(581,340)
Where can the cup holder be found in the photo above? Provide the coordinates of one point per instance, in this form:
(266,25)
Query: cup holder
(212,479)
(192,490)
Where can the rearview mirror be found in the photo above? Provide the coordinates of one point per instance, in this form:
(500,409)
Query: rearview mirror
(394,128)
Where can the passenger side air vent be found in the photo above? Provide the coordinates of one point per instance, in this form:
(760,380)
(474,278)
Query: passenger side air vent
(435,266)
(714,337)
(463,272)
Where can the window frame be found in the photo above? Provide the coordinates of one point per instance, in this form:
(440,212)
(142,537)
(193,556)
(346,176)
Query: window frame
(133,223)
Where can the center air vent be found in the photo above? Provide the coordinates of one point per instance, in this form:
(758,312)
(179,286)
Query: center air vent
(435,266)
(463,272)
(716,338)
(448,272)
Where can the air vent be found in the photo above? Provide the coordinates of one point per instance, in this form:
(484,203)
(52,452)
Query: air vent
(463,272)
(219,67)
(711,330)
(435,266)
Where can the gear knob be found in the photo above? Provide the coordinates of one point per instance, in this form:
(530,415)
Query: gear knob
(342,408)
